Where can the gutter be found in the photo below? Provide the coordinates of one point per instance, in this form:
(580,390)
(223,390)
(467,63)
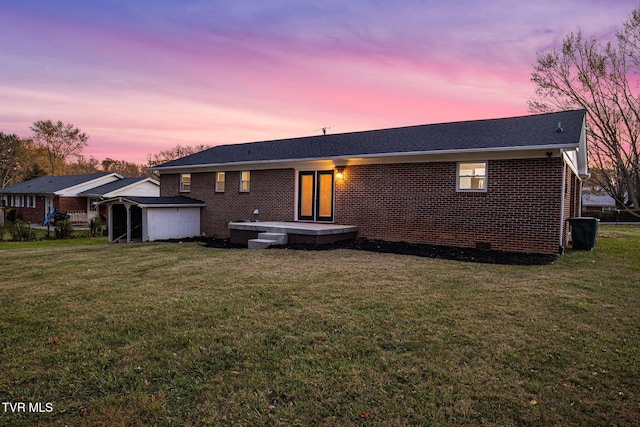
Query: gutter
(368,156)
(564,186)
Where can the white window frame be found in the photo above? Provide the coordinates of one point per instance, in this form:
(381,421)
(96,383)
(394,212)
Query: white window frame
(245,188)
(220,183)
(185,188)
(31,201)
(484,177)
(4,200)
(93,207)
(17,201)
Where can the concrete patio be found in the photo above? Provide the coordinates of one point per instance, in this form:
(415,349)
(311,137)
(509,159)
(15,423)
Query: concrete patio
(262,234)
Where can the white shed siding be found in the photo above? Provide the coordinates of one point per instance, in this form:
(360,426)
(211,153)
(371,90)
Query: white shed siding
(170,223)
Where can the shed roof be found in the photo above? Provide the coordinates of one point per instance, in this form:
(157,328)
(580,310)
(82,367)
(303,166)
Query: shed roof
(538,130)
(157,202)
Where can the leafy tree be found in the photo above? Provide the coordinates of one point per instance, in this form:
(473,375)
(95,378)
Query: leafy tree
(602,78)
(11,159)
(83,165)
(59,141)
(35,171)
(124,168)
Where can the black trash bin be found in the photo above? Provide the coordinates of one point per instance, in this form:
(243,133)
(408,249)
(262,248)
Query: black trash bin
(583,232)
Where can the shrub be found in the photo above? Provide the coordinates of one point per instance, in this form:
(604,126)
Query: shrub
(63,229)
(11,215)
(613,216)
(96,227)
(21,230)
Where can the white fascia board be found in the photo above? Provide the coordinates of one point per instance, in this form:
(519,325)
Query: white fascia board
(569,157)
(583,153)
(399,157)
(88,185)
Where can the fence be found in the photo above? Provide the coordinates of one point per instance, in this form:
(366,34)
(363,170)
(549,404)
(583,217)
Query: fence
(77,216)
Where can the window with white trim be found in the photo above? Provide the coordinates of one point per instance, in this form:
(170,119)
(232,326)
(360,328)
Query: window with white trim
(472,176)
(185,182)
(220,179)
(18,201)
(4,200)
(245,181)
(31,201)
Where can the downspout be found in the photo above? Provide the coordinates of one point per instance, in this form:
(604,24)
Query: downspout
(579,197)
(564,186)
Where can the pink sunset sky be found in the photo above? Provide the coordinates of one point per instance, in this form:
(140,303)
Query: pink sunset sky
(142,76)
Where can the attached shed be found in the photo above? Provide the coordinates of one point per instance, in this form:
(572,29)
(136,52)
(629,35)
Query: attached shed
(133,218)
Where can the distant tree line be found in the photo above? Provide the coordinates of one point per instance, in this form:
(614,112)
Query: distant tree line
(55,148)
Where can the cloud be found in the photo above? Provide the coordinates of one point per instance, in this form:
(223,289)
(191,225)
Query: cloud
(142,76)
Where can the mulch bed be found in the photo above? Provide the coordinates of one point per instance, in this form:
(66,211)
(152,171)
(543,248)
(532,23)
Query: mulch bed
(404,248)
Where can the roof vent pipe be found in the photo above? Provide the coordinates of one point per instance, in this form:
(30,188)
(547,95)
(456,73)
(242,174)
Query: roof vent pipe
(559,129)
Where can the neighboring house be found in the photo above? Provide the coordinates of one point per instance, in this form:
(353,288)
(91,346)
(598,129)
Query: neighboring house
(501,184)
(72,194)
(598,202)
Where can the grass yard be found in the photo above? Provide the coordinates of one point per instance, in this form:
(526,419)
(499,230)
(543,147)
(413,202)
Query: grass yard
(181,334)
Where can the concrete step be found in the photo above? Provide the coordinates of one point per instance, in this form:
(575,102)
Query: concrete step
(260,243)
(279,238)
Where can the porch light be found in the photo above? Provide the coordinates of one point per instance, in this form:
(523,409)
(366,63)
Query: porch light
(339,173)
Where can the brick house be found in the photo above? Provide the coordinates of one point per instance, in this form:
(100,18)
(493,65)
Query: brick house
(74,194)
(504,184)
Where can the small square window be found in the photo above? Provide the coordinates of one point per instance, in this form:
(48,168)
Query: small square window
(220,178)
(185,182)
(245,181)
(472,176)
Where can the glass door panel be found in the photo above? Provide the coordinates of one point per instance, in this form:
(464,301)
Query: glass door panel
(325,196)
(306,196)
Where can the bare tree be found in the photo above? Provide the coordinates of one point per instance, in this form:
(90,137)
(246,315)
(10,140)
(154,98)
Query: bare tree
(59,140)
(602,78)
(174,153)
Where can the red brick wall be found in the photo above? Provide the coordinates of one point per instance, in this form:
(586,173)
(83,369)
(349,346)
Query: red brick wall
(170,185)
(33,215)
(65,204)
(61,203)
(416,202)
(419,203)
(272,193)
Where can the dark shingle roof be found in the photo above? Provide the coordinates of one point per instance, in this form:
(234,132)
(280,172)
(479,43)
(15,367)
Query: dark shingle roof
(50,184)
(159,201)
(525,131)
(111,186)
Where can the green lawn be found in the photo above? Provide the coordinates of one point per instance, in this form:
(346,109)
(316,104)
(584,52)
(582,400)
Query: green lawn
(181,334)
